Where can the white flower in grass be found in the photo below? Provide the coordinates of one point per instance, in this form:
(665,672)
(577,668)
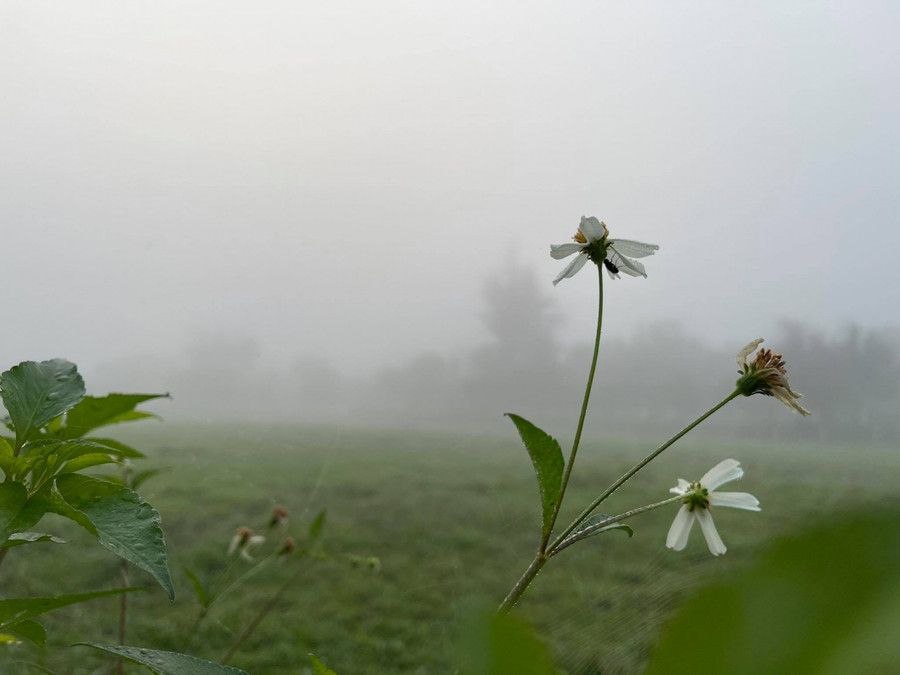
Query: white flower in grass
(766,374)
(699,497)
(592,243)
(245,541)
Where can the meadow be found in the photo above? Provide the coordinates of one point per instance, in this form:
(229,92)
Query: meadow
(453,519)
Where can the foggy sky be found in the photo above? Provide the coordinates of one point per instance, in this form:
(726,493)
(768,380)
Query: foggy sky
(338,180)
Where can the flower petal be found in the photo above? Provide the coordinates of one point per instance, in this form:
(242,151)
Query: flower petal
(682,487)
(635,249)
(681,528)
(724,472)
(746,351)
(592,229)
(626,265)
(572,267)
(560,251)
(713,540)
(734,500)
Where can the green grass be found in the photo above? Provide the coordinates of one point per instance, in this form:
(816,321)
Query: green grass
(450,517)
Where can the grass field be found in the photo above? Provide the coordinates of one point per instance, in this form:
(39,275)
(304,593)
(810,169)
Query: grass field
(451,518)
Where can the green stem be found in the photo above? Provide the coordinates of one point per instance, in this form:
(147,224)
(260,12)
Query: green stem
(524,581)
(581,418)
(637,467)
(588,531)
(123,613)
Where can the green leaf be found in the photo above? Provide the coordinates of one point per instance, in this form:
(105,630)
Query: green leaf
(500,644)
(315,528)
(825,601)
(87,461)
(13,497)
(142,476)
(320,668)
(125,524)
(31,631)
(167,663)
(7,457)
(199,588)
(21,538)
(599,518)
(35,393)
(117,448)
(94,412)
(15,610)
(547,458)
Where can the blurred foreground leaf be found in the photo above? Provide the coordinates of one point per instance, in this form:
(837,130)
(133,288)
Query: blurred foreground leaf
(16,610)
(167,663)
(501,644)
(34,393)
(825,602)
(123,522)
(547,458)
(320,668)
(94,412)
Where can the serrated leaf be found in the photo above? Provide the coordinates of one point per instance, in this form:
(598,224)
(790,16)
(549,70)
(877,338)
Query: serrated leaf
(13,497)
(15,610)
(124,523)
(546,455)
(94,412)
(599,518)
(34,393)
(167,663)
(22,538)
(199,588)
(320,668)
(31,631)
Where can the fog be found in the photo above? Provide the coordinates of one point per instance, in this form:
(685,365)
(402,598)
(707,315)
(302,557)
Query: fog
(341,212)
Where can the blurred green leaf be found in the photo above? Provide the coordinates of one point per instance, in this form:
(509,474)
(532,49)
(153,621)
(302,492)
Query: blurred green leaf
(31,631)
(547,458)
(826,601)
(7,457)
(166,663)
(124,523)
(35,393)
(500,644)
(315,528)
(15,610)
(93,412)
(86,461)
(13,497)
(199,588)
(142,477)
(320,668)
(117,448)
(21,538)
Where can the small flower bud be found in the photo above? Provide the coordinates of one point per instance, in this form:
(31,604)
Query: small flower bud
(240,539)
(288,546)
(279,517)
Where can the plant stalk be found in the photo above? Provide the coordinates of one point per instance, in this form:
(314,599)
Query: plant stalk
(123,613)
(637,467)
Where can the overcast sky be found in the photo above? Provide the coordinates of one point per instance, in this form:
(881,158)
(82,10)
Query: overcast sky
(340,178)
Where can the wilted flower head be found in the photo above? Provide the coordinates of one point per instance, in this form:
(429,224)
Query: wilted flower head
(699,497)
(287,547)
(592,242)
(279,517)
(766,374)
(245,541)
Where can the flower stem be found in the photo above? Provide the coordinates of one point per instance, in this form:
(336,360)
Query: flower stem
(588,531)
(541,558)
(263,612)
(637,467)
(584,407)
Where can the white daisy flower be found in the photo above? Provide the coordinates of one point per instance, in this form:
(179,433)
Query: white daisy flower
(252,544)
(699,497)
(592,242)
(766,374)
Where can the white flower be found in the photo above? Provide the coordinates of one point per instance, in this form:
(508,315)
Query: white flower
(699,497)
(592,243)
(766,374)
(253,543)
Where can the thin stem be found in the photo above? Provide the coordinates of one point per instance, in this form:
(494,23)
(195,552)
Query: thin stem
(584,407)
(123,613)
(588,531)
(516,592)
(263,612)
(637,467)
